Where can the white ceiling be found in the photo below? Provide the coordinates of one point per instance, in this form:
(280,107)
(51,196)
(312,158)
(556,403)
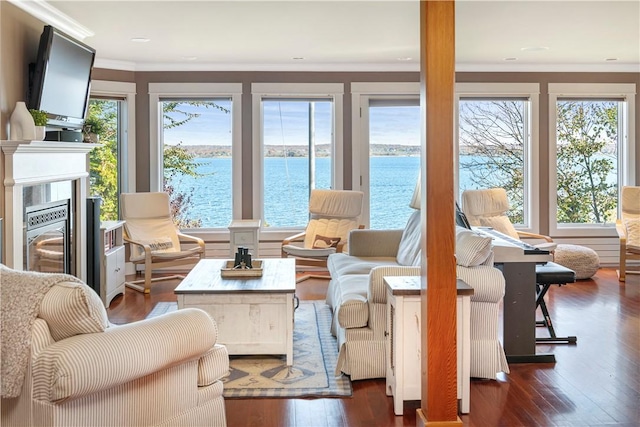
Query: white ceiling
(360,35)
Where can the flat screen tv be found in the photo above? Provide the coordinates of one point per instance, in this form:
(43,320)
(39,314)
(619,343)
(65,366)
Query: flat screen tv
(60,79)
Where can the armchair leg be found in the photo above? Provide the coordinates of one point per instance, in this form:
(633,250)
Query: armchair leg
(312,276)
(623,266)
(146,288)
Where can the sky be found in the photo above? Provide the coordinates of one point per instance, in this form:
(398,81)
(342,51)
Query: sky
(286,123)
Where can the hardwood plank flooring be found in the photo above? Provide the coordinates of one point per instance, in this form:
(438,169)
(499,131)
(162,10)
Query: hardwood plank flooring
(593,383)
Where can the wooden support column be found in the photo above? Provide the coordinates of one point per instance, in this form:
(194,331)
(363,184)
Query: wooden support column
(439,403)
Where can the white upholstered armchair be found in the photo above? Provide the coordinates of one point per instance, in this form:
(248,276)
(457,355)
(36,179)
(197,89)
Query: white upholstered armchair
(154,240)
(63,364)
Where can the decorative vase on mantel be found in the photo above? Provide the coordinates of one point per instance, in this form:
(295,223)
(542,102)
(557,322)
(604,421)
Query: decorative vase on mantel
(21,124)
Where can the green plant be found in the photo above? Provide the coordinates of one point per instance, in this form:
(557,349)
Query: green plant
(39,117)
(93,125)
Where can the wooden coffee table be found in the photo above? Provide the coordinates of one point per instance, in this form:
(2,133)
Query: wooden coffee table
(254,314)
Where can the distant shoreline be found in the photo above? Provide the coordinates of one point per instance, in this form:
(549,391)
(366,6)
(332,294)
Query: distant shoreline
(322,150)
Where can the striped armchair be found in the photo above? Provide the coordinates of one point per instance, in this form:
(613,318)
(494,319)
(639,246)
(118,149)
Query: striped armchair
(79,370)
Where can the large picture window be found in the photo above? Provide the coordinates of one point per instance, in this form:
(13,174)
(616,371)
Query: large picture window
(386,150)
(296,148)
(496,142)
(590,128)
(197,156)
(111,117)
(196,159)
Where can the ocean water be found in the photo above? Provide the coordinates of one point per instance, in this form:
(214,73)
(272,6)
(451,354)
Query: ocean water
(286,189)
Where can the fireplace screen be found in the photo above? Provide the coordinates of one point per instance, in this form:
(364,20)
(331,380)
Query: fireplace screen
(47,238)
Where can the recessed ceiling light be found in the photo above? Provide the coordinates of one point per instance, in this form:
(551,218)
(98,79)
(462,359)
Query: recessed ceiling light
(405,58)
(140,39)
(511,58)
(611,59)
(534,48)
(189,58)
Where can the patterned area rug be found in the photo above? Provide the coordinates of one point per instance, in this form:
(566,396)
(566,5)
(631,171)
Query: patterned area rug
(315,354)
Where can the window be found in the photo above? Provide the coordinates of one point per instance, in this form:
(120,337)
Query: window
(496,143)
(111,117)
(197,127)
(296,148)
(590,144)
(386,147)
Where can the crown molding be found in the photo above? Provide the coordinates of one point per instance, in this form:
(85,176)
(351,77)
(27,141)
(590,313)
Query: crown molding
(548,68)
(50,15)
(368,67)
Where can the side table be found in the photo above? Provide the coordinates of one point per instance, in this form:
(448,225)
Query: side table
(112,262)
(404,345)
(245,233)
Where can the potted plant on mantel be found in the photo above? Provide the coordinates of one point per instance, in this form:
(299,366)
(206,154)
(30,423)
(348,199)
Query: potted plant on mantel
(92,129)
(40,120)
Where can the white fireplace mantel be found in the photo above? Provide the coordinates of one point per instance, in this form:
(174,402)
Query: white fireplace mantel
(27,163)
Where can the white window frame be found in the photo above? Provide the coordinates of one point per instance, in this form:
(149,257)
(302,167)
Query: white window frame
(126,128)
(158,91)
(531,153)
(626,156)
(361,94)
(335,91)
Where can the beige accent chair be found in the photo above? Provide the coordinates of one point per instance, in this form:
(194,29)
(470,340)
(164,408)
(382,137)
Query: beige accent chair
(154,240)
(628,227)
(488,208)
(80,370)
(333,214)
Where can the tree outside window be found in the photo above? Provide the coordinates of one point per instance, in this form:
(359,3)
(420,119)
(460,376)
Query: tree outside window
(492,141)
(493,138)
(103,171)
(587,152)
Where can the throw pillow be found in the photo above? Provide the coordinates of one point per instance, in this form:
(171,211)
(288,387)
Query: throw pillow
(471,249)
(160,244)
(410,244)
(73,309)
(323,242)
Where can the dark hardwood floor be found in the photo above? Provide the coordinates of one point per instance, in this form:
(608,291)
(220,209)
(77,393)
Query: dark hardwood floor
(593,383)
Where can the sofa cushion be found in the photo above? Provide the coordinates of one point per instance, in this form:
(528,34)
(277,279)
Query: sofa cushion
(341,264)
(409,248)
(471,249)
(71,308)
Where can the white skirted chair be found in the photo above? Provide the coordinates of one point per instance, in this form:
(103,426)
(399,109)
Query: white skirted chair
(64,364)
(333,214)
(154,240)
(358,296)
(628,227)
(488,208)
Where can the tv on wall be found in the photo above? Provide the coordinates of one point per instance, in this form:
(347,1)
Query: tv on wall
(60,80)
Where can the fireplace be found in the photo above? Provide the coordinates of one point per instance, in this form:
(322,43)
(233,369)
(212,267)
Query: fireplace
(45,190)
(48,238)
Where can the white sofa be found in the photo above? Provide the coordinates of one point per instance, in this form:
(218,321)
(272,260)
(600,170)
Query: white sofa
(79,370)
(357,296)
